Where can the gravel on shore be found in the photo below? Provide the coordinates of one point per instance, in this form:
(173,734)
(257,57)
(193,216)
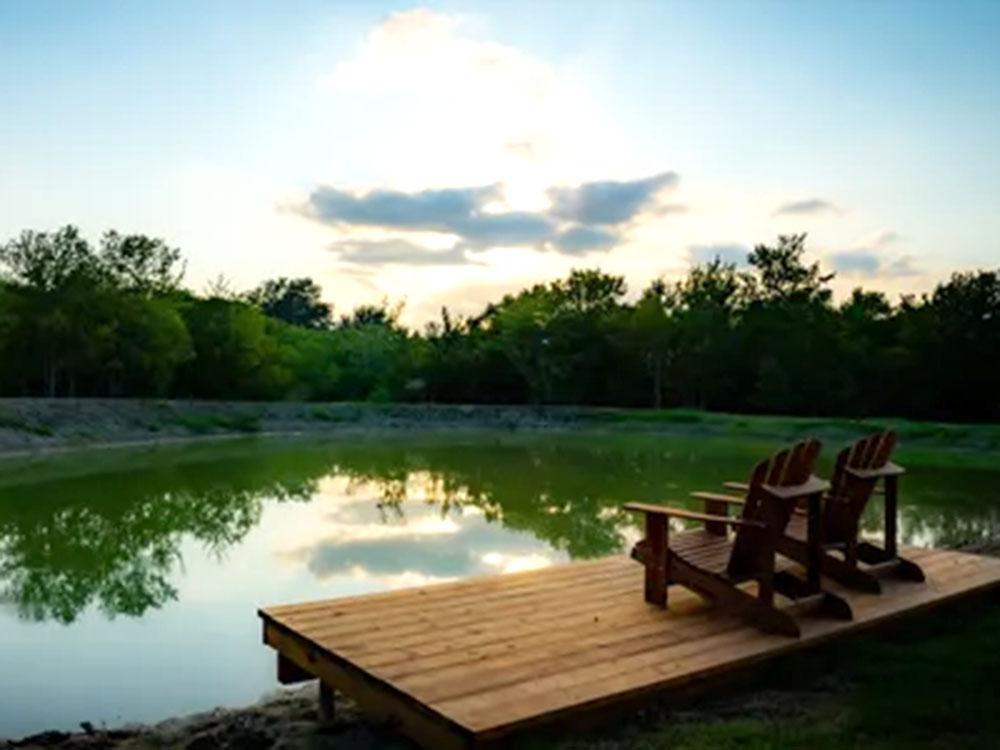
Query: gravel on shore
(285,720)
(35,425)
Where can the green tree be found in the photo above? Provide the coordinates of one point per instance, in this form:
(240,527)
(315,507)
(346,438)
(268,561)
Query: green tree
(707,372)
(371,315)
(791,332)
(951,340)
(374,357)
(50,262)
(522,325)
(60,312)
(152,343)
(141,264)
(295,301)
(236,356)
(870,354)
(309,357)
(781,275)
(654,335)
(558,337)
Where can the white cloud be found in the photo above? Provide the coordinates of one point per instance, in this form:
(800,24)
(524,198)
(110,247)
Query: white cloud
(420,49)
(461,93)
(807,207)
(398,251)
(871,259)
(446,101)
(584,218)
(883,238)
(726,252)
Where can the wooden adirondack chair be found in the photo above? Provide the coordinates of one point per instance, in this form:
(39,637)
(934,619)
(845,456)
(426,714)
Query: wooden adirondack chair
(858,470)
(713,563)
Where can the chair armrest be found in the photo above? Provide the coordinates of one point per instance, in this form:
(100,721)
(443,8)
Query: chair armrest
(813,485)
(664,510)
(889,470)
(716,497)
(738,486)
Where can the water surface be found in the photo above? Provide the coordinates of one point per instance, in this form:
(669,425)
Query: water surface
(129,579)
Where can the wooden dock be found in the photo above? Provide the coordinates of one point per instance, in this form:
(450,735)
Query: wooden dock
(466,664)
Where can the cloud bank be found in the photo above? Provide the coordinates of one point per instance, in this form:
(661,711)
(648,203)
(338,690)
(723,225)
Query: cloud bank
(397,251)
(734,253)
(608,202)
(586,218)
(869,259)
(808,207)
(865,262)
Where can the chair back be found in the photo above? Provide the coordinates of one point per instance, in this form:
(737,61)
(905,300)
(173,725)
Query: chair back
(849,494)
(787,468)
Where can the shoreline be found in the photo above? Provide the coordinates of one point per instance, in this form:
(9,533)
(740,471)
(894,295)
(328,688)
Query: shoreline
(31,428)
(286,719)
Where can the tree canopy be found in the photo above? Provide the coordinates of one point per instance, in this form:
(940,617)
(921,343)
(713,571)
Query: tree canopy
(295,301)
(114,320)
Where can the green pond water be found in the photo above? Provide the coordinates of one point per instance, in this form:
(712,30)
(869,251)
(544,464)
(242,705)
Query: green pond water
(129,579)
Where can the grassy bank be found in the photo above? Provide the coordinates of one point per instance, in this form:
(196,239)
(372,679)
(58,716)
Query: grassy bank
(33,424)
(925,683)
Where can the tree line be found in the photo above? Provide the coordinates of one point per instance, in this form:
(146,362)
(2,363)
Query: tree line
(114,320)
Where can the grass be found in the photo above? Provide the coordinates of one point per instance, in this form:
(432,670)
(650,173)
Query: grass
(322,414)
(19,424)
(926,683)
(206,423)
(913,433)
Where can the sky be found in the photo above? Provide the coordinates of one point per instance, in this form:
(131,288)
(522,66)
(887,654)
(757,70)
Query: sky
(446,154)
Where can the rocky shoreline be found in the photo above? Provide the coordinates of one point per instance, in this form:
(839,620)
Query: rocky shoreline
(285,720)
(30,426)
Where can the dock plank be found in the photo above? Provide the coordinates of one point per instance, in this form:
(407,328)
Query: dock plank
(466,663)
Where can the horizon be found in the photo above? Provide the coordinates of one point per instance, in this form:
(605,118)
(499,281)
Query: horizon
(445,156)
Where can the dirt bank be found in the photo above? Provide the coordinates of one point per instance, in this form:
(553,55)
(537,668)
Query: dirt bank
(38,425)
(32,425)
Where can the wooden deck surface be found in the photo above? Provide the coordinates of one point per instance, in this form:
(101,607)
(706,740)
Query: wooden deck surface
(466,663)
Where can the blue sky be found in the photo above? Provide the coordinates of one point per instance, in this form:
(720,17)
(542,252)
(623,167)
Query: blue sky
(226,127)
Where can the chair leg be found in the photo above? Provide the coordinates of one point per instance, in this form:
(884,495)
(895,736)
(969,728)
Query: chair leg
(850,575)
(833,567)
(765,588)
(909,571)
(900,567)
(790,585)
(656,562)
(835,606)
(851,553)
(823,603)
(872,555)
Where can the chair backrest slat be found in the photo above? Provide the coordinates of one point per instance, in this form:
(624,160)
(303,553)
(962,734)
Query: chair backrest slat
(849,495)
(784,469)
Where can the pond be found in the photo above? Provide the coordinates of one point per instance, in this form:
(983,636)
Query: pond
(129,579)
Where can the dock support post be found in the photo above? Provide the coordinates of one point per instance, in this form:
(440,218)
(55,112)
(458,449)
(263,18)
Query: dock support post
(326,703)
(289,672)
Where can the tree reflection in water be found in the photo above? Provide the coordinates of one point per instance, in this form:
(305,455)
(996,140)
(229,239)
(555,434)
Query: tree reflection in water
(112,538)
(106,531)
